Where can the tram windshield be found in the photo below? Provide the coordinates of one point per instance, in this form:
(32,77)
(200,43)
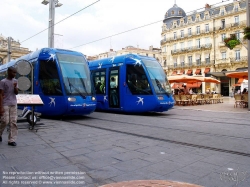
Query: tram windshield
(76,74)
(157,76)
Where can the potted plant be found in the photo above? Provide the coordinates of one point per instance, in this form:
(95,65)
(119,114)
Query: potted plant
(232,41)
(246,33)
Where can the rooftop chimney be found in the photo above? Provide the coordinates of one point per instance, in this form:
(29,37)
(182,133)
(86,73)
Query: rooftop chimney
(207,6)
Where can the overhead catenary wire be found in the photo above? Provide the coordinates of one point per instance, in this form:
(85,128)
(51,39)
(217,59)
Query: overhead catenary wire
(61,20)
(223,1)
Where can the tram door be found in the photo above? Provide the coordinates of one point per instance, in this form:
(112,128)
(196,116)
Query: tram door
(114,98)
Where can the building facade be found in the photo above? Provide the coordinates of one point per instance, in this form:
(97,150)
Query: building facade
(193,44)
(151,52)
(16,50)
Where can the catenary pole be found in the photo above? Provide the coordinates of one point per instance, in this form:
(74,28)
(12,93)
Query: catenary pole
(51,23)
(9,48)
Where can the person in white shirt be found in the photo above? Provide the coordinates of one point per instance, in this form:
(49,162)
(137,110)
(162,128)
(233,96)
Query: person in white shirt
(190,91)
(112,83)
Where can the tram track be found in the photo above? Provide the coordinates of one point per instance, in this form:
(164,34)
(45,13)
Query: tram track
(165,139)
(175,129)
(167,116)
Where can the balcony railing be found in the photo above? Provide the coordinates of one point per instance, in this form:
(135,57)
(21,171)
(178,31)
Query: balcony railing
(191,48)
(190,64)
(226,26)
(239,59)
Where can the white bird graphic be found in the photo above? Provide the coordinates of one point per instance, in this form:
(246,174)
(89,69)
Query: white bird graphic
(112,59)
(52,56)
(100,66)
(137,62)
(105,98)
(52,101)
(140,100)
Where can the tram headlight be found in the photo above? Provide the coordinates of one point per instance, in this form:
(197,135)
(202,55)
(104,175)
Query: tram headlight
(160,98)
(71,99)
(93,98)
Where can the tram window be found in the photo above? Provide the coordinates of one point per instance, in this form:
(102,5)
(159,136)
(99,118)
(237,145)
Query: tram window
(99,81)
(137,80)
(49,78)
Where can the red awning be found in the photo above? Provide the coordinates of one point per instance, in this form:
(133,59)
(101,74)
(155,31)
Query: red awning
(207,70)
(177,85)
(189,72)
(198,71)
(240,81)
(194,85)
(174,73)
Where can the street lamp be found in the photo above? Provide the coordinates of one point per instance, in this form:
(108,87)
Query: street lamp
(52,5)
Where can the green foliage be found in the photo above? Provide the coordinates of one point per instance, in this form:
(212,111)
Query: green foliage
(232,41)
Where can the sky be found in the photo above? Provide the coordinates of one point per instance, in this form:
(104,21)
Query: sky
(21,19)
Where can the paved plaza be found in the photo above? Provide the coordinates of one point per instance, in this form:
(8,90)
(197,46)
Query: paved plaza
(105,148)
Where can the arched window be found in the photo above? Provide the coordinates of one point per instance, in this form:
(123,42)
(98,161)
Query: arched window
(180,12)
(172,12)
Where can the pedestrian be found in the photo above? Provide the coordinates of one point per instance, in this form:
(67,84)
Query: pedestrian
(113,95)
(112,83)
(9,88)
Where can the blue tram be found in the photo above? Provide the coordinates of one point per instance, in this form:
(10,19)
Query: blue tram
(131,83)
(62,79)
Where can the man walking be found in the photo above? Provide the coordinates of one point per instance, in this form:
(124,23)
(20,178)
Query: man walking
(9,89)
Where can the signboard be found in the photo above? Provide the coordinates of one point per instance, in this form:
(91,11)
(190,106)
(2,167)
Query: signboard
(27,99)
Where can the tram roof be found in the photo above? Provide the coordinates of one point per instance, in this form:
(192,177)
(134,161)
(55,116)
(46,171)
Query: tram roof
(117,59)
(35,55)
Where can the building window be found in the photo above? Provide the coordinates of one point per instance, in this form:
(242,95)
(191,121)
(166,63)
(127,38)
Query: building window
(189,44)
(174,47)
(198,30)
(237,55)
(182,64)
(223,36)
(223,24)
(236,8)
(165,63)
(198,62)
(189,32)
(223,55)
(175,64)
(182,45)
(206,16)
(154,55)
(222,12)
(182,33)
(190,60)
(236,20)
(198,43)
(180,12)
(175,36)
(172,12)
(208,59)
(237,34)
(207,27)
